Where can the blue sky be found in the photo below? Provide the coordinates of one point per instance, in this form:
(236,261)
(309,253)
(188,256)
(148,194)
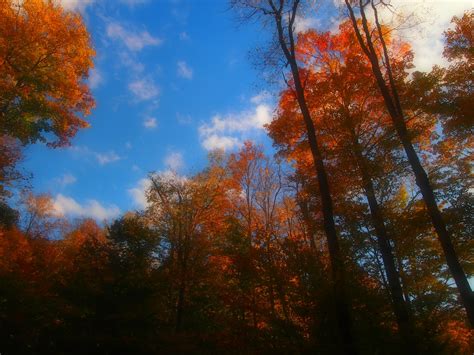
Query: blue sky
(172,80)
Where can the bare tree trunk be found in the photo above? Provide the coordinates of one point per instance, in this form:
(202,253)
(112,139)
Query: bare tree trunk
(392,102)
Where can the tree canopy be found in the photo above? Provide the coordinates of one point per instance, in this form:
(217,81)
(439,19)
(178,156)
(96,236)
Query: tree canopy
(45,56)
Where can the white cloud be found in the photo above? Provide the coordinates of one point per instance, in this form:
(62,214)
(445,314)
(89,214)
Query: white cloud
(106,158)
(95,78)
(184,71)
(174,161)
(75,5)
(214,141)
(150,122)
(427,37)
(240,122)
(87,153)
(304,23)
(133,40)
(138,193)
(130,62)
(422,23)
(261,97)
(66,179)
(144,89)
(67,206)
(227,132)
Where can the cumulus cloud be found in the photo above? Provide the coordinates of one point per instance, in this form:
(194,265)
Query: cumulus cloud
(426,37)
(133,40)
(422,23)
(227,132)
(150,123)
(304,23)
(107,158)
(261,97)
(174,161)
(184,70)
(214,141)
(138,193)
(66,179)
(68,206)
(144,89)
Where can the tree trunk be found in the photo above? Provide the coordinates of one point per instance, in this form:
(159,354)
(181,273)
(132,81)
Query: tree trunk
(344,319)
(180,308)
(400,309)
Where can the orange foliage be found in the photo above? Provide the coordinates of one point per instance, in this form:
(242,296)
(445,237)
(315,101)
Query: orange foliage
(45,55)
(460,338)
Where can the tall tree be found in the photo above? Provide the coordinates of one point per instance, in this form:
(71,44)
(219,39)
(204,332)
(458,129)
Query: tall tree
(185,213)
(283,15)
(352,123)
(372,42)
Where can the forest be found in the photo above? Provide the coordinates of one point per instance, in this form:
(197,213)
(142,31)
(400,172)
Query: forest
(352,235)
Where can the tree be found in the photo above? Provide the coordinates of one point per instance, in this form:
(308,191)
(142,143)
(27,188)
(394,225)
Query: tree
(353,131)
(256,196)
(45,56)
(185,213)
(372,42)
(10,176)
(458,96)
(39,217)
(283,15)
(10,155)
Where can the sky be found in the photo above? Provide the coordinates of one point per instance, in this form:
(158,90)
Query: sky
(174,79)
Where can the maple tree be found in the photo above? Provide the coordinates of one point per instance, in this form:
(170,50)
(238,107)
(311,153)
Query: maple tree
(45,57)
(346,106)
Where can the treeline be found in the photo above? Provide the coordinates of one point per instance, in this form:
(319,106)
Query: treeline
(230,260)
